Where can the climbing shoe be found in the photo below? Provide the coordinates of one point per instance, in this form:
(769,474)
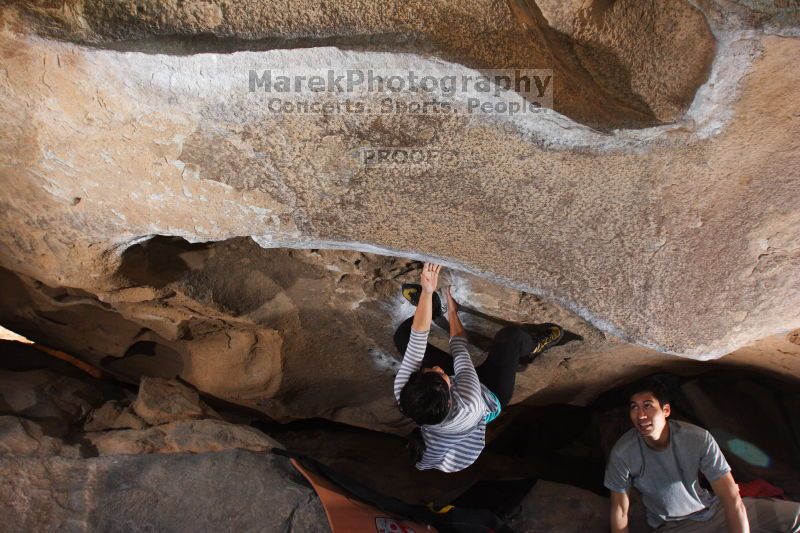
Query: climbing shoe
(547,338)
(412,291)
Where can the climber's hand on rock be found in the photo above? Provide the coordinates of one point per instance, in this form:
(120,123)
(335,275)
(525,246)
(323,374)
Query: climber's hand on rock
(456,327)
(452,304)
(429,277)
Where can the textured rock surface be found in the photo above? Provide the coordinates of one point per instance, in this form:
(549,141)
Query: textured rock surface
(181,423)
(655,52)
(194,436)
(113,415)
(243,490)
(20,436)
(33,423)
(513,35)
(160,401)
(55,482)
(556,507)
(681,237)
(49,399)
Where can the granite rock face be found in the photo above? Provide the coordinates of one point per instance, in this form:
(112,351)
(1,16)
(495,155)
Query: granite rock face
(656,200)
(160,401)
(186,475)
(242,490)
(50,400)
(165,417)
(20,436)
(193,436)
(592,86)
(113,415)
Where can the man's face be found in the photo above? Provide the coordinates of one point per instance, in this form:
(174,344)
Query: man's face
(648,416)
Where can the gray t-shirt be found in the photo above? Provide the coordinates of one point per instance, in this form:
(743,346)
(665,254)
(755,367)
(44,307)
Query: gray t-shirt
(668,479)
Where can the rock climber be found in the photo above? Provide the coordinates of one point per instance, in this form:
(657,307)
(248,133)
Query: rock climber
(445,395)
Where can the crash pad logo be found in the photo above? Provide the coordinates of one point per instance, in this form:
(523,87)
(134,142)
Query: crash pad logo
(390,525)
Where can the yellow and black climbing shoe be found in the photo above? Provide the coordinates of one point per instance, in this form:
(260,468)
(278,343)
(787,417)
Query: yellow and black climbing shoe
(550,335)
(412,291)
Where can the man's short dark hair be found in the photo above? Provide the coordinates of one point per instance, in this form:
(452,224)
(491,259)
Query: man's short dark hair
(654,386)
(425,398)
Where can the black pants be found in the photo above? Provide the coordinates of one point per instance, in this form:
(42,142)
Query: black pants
(498,372)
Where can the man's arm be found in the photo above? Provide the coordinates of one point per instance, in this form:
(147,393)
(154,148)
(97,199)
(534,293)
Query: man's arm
(456,328)
(618,515)
(420,327)
(468,382)
(735,514)
(428,279)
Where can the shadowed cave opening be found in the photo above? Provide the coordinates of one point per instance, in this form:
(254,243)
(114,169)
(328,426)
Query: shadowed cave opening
(145,358)
(157,261)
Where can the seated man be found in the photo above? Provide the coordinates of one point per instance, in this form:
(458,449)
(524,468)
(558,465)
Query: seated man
(661,458)
(452,410)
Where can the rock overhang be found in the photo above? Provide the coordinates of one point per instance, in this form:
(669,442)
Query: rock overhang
(616,226)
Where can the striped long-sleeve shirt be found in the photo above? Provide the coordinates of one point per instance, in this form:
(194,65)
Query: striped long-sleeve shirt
(455,443)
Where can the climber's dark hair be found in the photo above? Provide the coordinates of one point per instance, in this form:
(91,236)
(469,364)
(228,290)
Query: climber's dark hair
(425,398)
(653,385)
